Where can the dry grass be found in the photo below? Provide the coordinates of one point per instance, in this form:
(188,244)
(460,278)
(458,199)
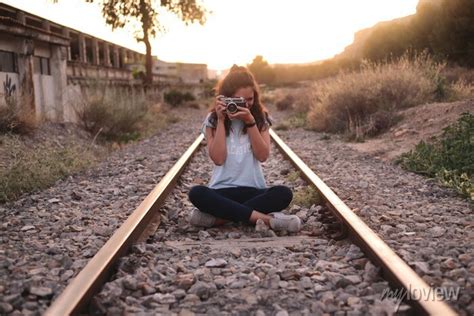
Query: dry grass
(16,116)
(25,168)
(113,114)
(365,103)
(306,197)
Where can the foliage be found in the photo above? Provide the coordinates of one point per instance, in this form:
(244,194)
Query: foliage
(444,28)
(286,103)
(118,13)
(31,169)
(364,103)
(295,120)
(175,97)
(15,116)
(113,114)
(261,70)
(306,197)
(448,158)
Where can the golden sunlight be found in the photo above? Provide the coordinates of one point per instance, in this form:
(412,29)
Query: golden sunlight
(299,31)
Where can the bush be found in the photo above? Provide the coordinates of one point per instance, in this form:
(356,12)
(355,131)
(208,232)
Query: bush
(175,97)
(286,103)
(448,158)
(16,117)
(306,197)
(364,103)
(113,114)
(295,120)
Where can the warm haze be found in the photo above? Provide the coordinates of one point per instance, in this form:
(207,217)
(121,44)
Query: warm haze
(299,31)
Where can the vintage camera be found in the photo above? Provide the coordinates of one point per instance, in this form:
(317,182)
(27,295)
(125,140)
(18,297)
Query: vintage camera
(233,104)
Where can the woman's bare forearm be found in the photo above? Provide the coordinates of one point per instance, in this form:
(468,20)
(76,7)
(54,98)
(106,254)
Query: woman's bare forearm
(260,148)
(217,149)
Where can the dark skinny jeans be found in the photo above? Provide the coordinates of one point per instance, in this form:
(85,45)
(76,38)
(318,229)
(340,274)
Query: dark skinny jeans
(236,204)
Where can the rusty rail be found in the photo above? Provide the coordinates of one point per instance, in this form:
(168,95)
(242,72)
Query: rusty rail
(89,281)
(395,270)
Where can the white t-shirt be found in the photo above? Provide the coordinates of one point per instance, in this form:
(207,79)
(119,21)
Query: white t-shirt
(240,168)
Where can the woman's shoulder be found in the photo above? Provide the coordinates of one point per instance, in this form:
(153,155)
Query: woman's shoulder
(210,120)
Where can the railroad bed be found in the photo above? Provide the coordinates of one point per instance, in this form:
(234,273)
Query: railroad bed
(47,237)
(240,268)
(429,226)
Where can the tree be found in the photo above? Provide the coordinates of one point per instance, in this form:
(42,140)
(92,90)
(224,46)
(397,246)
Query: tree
(262,71)
(118,13)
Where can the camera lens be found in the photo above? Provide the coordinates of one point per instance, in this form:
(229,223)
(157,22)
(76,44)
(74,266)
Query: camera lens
(232,107)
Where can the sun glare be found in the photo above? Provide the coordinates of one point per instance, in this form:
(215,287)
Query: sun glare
(299,31)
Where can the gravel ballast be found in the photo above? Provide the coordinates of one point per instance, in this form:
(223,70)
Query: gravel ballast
(47,238)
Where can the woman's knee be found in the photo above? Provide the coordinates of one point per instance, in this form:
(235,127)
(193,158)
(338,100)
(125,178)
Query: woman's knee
(197,193)
(284,193)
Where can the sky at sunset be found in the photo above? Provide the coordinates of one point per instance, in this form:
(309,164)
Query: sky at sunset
(296,31)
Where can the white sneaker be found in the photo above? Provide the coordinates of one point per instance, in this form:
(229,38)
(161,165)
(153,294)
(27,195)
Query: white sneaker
(280,221)
(198,218)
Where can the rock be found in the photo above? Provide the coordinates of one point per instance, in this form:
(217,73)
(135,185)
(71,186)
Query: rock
(234,235)
(202,290)
(371,272)
(164,298)
(306,282)
(130,283)
(41,291)
(203,235)
(289,275)
(260,226)
(185,281)
(27,227)
(420,267)
(5,308)
(354,253)
(216,263)
(436,231)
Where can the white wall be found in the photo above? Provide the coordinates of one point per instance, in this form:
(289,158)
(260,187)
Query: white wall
(44,96)
(14,81)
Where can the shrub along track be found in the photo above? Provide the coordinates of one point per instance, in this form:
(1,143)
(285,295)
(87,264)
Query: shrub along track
(239,268)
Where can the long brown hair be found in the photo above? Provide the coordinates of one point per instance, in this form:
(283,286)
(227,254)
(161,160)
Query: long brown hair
(237,78)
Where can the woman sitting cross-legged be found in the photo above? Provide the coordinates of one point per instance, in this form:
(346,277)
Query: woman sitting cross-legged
(237,142)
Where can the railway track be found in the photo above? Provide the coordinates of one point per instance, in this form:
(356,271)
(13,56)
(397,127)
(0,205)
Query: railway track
(178,268)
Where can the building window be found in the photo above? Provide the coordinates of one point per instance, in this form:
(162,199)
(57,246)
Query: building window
(41,66)
(7,62)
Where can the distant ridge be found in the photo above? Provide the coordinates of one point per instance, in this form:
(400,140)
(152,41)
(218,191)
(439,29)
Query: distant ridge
(355,50)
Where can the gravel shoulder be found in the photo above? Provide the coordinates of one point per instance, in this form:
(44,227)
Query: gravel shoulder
(47,237)
(428,225)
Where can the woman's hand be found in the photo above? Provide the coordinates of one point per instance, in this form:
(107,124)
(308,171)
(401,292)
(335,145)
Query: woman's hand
(242,114)
(220,108)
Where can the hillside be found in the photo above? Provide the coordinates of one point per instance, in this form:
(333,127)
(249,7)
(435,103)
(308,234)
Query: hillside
(417,124)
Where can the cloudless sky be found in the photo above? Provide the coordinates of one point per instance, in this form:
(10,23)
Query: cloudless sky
(291,31)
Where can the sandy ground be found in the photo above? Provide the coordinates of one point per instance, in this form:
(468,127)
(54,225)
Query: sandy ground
(418,123)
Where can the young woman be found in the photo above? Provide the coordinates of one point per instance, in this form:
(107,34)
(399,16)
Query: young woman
(237,143)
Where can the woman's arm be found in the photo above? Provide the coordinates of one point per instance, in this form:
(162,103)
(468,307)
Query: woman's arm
(260,140)
(216,145)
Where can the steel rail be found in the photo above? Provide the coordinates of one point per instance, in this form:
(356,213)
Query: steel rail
(394,268)
(78,293)
(89,281)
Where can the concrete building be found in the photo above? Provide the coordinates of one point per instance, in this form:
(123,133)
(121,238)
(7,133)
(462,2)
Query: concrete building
(45,63)
(180,72)
(49,65)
